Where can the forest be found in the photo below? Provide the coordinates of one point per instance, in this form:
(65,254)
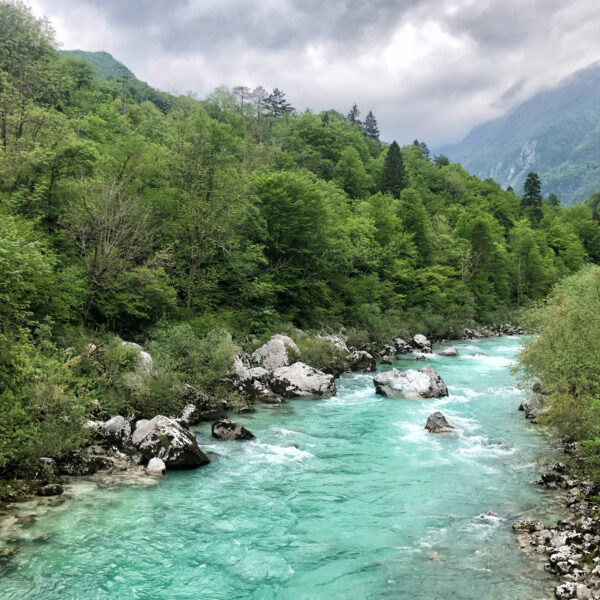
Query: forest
(196,227)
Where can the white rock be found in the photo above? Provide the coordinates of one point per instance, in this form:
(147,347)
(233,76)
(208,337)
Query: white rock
(337,341)
(424,383)
(275,353)
(145,362)
(422,343)
(116,430)
(301,381)
(450,351)
(156,467)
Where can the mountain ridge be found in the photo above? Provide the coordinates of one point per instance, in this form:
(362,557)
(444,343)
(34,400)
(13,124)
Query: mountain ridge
(555,133)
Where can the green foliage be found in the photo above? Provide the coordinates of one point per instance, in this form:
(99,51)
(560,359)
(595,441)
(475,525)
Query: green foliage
(393,178)
(564,357)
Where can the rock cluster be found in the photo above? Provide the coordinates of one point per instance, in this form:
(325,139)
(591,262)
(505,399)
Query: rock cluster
(229,430)
(572,545)
(493,331)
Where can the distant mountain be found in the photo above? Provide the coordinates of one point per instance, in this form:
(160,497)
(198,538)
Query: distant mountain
(556,133)
(109,68)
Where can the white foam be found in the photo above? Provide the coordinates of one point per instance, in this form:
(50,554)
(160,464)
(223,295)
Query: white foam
(280,454)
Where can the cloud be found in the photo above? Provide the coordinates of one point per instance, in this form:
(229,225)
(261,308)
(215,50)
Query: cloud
(429,69)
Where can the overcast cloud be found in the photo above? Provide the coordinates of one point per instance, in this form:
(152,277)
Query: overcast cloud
(429,69)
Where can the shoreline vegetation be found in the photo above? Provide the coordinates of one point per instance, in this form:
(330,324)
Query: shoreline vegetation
(561,367)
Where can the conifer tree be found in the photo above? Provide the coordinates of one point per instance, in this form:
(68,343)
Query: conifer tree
(393,178)
(531,202)
(370,127)
(277,104)
(353,115)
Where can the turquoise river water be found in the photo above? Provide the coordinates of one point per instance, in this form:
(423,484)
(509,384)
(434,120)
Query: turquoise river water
(344,498)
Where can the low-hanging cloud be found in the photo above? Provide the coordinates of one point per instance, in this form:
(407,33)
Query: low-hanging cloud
(429,69)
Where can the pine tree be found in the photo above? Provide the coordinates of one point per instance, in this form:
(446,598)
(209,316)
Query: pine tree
(424,150)
(325,118)
(370,127)
(393,178)
(531,202)
(353,115)
(277,104)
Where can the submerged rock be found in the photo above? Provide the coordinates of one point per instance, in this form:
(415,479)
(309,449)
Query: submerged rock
(156,467)
(420,342)
(164,438)
(479,354)
(301,381)
(275,353)
(424,383)
(229,430)
(437,423)
(450,351)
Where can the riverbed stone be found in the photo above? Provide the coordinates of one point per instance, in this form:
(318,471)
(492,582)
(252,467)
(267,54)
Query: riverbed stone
(164,438)
(230,430)
(415,384)
(437,423)
(301,381)
(420,342)
(156,467)
(449,351)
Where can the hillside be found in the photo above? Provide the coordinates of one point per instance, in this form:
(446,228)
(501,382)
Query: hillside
(556,133)
(103,63)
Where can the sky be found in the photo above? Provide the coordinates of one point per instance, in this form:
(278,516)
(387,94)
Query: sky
(428,69)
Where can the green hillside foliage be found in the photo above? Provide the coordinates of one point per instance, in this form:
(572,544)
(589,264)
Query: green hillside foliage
(196,226)
(556,134)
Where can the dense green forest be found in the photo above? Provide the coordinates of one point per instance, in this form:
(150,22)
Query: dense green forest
(196,226)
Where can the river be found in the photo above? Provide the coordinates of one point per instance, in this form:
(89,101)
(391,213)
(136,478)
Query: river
(345,498)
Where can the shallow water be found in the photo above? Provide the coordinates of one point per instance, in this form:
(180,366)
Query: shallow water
(345,498)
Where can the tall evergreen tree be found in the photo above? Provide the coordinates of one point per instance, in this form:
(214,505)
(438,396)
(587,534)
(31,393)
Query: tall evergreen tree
(393,178)
(277,104)
(370,127)
(353,115)
(531,202)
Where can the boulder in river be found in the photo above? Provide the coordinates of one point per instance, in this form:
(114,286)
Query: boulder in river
(164,438)
(420,342)
(449,351)
(156,467)
(275,353)
(301,381)
(532,406)
(437,423)
(424,383)
(361,362)
(229,430)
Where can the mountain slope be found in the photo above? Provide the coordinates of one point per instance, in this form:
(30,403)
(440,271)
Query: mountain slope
(556,133)
(108,68)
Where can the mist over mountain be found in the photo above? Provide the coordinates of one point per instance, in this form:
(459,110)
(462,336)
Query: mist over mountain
(556,133)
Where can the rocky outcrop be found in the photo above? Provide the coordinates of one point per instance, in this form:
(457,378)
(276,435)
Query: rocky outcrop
(164,438)
(79,463)
(301,381)
(275,353)
(145,362)
(338,341)
(424,383)
(449,351)
(115,431)
(361,362)
(421,343)
(401,346)
(253,383)
(229,430)
(532,406)
(207,409)
(156,467)
(437,423)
